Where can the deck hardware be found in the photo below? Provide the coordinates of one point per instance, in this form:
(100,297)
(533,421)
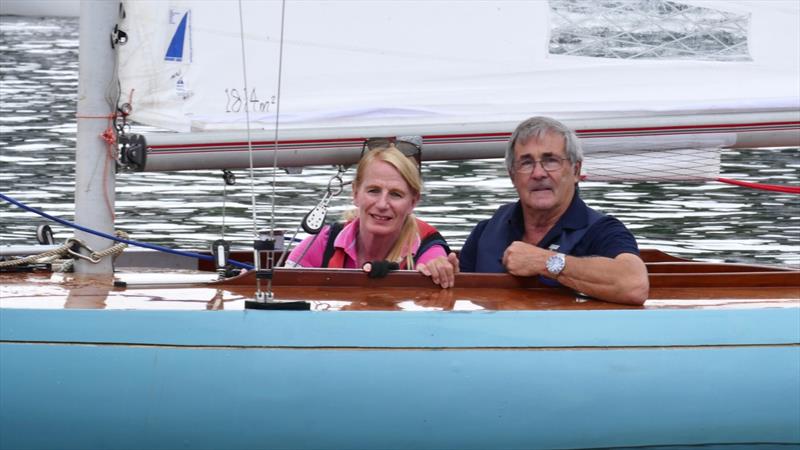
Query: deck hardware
(74,248)
(264,247)
(314,220)
(118,37)
(228,177)
(132,151)
(221,250)
(44,235)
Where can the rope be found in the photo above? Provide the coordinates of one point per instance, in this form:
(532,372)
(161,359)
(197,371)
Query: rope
(42,257)
(68,249)
(115,249)
(761,186)
(109,137)
(118,239)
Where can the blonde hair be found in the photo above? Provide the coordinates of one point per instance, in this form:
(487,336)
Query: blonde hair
(408,169)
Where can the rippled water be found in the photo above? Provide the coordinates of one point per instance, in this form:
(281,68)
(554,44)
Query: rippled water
(38,91)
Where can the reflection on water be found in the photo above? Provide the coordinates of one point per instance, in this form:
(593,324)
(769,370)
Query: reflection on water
(38,90)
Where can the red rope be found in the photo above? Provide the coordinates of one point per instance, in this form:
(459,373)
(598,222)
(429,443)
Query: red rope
(763,187)
(110,138)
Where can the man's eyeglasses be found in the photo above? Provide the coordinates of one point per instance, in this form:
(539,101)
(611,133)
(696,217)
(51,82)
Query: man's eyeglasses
(411,146)
(549,163)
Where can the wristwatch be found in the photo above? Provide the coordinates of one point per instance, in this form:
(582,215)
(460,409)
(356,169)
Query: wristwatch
(555,264)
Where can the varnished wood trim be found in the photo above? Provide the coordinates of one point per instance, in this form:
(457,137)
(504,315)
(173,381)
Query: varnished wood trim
(649,255)
(727,280)
(705,267)
(357,278)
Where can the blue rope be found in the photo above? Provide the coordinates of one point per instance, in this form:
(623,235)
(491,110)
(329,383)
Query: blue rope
(118,239)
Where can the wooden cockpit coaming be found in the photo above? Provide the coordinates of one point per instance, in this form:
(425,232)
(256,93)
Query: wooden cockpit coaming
(674,284)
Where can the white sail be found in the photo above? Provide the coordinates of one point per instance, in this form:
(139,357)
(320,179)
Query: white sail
(462,74)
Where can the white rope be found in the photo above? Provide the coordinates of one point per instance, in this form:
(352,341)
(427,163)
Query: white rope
(114,249)
(66,249)
(40,258)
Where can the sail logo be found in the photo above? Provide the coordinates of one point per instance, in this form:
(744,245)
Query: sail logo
(179,49)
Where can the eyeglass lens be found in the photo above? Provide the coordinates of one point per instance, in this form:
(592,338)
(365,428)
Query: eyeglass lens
(549,163)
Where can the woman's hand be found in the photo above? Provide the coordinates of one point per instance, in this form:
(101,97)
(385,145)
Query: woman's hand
(442,270)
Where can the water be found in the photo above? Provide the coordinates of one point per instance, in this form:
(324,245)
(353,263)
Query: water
(38,86)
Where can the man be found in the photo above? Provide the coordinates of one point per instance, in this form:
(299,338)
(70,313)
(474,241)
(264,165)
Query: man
(550,231)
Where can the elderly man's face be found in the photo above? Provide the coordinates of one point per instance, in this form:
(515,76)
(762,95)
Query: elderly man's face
(547,191)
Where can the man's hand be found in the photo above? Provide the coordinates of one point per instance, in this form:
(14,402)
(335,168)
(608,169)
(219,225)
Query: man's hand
(442,270)
(622,279)
(524,260)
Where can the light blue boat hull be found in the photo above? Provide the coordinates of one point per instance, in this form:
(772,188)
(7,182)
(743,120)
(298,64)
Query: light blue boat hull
(306,380)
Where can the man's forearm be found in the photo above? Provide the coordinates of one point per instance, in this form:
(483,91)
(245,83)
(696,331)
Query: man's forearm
(620,280)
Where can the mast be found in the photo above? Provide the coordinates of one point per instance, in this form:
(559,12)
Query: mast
(94,170)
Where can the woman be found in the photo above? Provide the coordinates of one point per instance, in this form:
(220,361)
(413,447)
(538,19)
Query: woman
(386,189)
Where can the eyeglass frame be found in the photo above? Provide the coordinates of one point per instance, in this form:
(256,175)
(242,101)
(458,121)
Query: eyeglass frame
(416,154)
(540,162)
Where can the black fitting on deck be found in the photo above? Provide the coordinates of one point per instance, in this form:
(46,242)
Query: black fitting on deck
(278,306)
(264,274)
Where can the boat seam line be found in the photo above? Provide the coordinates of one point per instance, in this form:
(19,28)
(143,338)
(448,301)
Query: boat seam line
(407,348)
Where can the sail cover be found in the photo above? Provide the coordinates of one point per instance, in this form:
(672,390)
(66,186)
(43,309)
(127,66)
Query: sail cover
(354,69)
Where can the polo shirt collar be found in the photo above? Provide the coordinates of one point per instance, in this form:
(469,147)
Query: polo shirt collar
(574,218)
(346,240)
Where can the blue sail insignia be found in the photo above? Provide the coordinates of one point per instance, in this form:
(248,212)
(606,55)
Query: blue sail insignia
(176,45)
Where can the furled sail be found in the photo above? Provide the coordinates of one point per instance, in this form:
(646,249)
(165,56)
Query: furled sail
(646,75)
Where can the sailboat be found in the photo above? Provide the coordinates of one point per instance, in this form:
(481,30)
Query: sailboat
(167,360)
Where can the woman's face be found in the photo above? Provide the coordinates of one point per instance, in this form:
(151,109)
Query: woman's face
(384,199)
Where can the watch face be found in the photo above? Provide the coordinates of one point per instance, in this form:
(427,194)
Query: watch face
(555,264)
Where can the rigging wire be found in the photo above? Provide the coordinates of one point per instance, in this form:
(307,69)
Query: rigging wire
(257,250)
(247,122)
(224,198)
(277,115)
(228,178)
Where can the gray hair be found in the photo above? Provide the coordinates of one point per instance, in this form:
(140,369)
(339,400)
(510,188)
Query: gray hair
(537,128)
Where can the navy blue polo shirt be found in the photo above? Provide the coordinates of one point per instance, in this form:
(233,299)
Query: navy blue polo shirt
(581,231)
